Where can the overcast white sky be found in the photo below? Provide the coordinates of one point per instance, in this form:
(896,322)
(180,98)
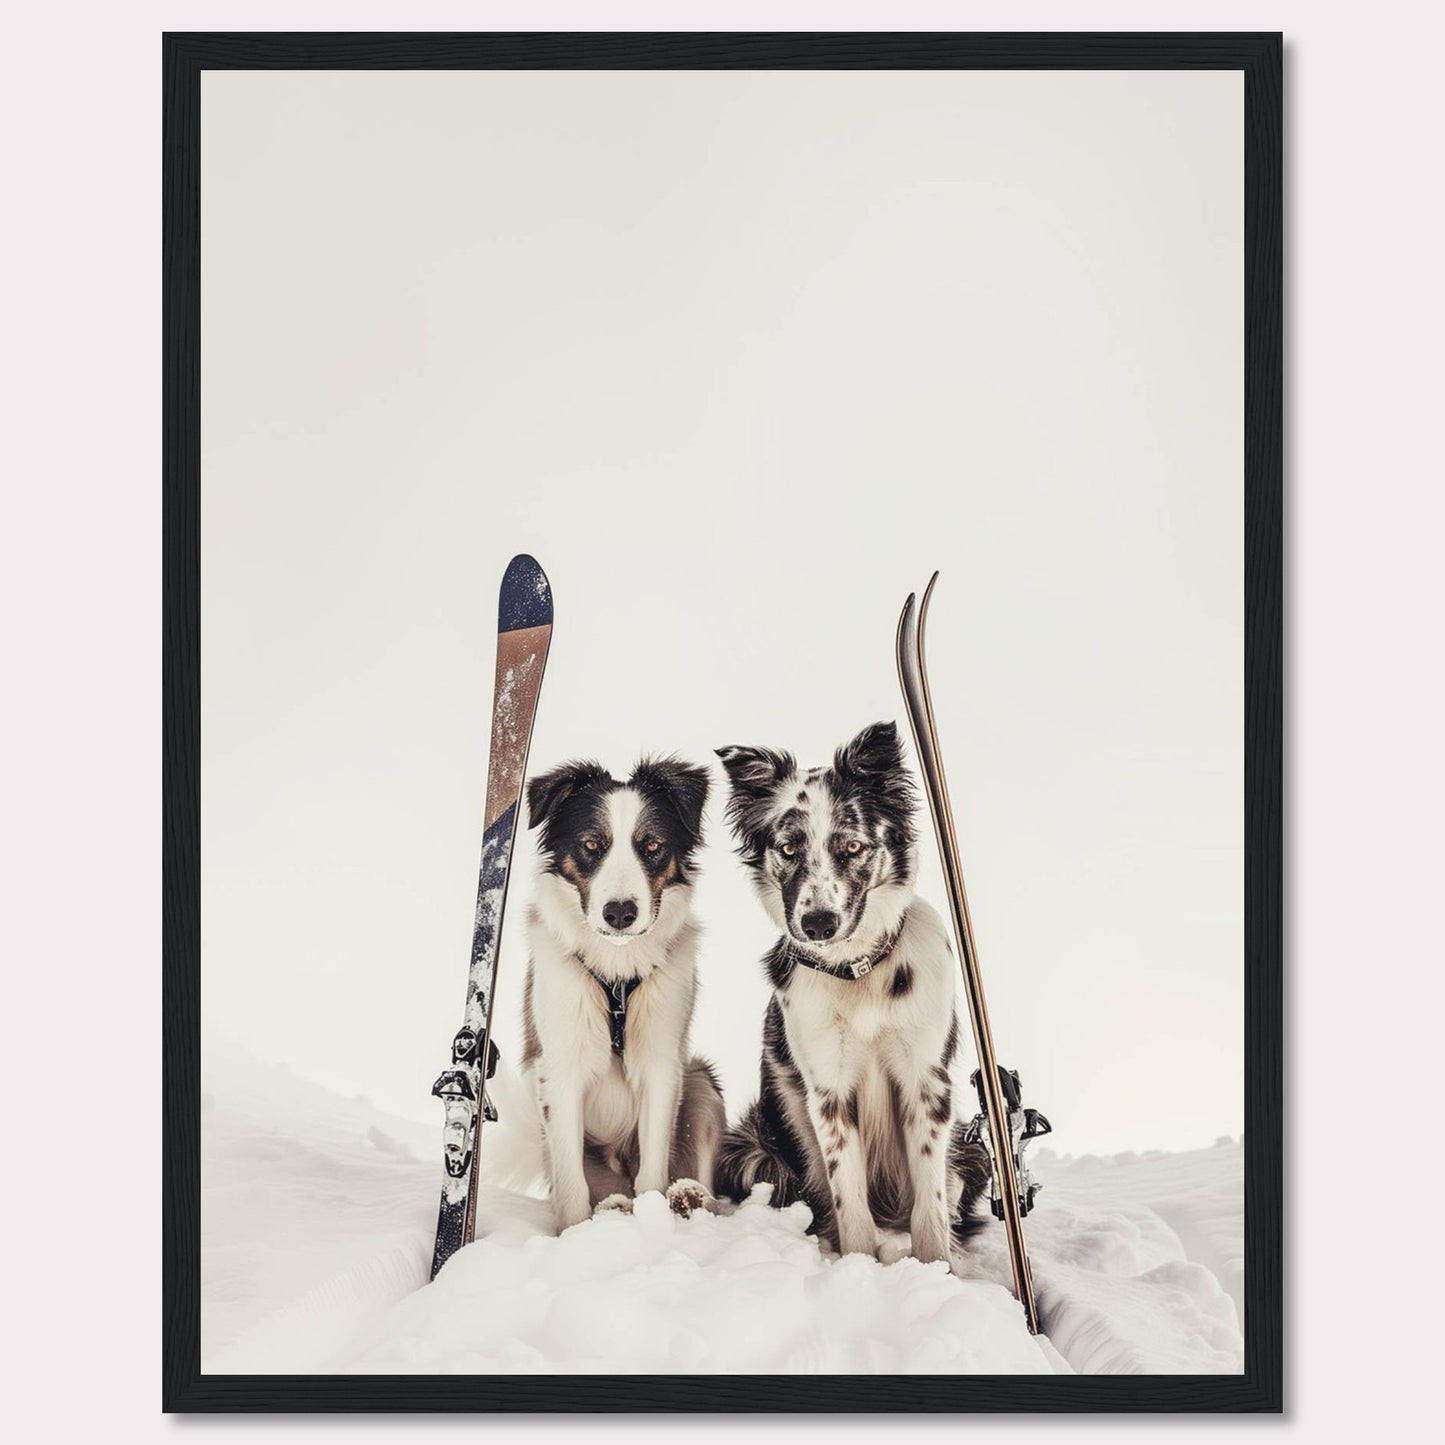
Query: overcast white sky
(740,357)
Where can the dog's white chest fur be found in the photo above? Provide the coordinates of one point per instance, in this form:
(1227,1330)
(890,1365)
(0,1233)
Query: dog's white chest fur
(872,1017)
(623,1103)
(570,1004)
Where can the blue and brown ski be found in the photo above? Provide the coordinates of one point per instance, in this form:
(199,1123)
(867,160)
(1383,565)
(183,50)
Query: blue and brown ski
(524,633)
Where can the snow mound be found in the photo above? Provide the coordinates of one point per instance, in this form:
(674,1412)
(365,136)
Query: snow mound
(318,1213)
(749,1293)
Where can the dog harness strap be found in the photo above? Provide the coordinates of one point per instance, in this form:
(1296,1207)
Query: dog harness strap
(858,967)
(618,994)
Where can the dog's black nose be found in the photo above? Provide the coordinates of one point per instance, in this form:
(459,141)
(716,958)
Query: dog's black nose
(820,925)
(620,913)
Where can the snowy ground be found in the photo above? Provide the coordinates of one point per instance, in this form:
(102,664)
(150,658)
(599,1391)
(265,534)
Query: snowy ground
(317,1218)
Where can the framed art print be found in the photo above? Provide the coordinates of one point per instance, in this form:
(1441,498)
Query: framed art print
(722,690)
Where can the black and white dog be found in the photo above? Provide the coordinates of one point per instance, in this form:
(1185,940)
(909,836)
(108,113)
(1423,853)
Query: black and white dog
(610,987)
(855,1113)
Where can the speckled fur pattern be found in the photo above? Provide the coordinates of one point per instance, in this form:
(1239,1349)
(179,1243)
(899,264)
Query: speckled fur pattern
(855,1113)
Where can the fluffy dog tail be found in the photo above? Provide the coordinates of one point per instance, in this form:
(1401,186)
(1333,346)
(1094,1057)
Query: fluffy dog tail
(514,1153)
(749,1155)
(970,1166)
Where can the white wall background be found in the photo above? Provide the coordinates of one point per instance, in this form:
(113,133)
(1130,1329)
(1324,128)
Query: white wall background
(741,358)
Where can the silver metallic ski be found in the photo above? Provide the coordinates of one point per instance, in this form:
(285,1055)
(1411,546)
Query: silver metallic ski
(1003,1125)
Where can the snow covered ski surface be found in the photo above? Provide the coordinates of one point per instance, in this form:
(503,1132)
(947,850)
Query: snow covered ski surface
(524,633)
(317,1240)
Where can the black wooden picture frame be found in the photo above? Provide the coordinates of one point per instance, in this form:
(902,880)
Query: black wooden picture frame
(1258,56)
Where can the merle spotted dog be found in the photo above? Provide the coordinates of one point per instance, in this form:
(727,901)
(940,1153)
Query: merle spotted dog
(855,1113)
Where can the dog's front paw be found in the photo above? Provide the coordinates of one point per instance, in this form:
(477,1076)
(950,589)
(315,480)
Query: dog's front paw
(892,1247)
(685,1195)
(930,1238)
(614,1204)
(567,1212)
(857,1239)
(930,1250)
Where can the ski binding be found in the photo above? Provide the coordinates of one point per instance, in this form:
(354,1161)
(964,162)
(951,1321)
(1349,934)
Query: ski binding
(1024,1126)
(457,1088)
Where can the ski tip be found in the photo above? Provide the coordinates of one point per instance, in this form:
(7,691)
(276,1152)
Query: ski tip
(927,594)
(525,599)
(905,623)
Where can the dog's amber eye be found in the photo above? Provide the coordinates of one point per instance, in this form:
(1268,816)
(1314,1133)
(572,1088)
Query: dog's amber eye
(787,850)
(854,846)
(652,845)
(590,844)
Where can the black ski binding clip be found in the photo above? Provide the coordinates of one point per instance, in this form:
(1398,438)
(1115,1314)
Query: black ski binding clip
(457,1089)
(1024,1126)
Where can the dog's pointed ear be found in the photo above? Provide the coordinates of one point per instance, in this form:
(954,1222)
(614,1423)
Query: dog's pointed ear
(755,772)
(873,762)
(682,784)
(548,791)
(874,753)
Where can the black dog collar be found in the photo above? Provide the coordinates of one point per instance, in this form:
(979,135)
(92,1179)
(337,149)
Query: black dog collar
(854,968)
